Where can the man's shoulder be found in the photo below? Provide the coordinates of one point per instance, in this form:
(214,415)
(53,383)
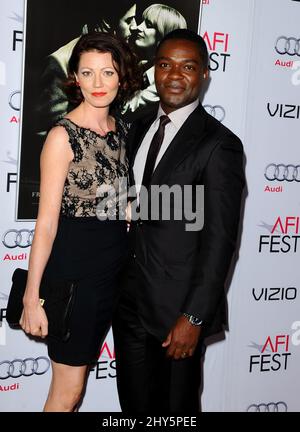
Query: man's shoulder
(141,116)
(221,132)
(142,122)
(147,115)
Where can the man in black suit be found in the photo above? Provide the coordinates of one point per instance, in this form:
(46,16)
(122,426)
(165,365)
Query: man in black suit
(173,291)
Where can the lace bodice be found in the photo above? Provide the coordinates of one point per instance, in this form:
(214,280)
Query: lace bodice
(99,164)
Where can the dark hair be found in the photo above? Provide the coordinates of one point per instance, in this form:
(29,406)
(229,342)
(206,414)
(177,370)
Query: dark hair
(125,62)
(189,35)
(109,22)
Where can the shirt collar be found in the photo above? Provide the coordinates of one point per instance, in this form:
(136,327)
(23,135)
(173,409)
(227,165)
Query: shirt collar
(179,116)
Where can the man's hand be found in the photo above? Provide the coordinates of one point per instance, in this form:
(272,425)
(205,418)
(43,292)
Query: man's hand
(182,339)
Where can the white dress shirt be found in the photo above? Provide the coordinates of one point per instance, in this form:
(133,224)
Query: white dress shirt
(177,118)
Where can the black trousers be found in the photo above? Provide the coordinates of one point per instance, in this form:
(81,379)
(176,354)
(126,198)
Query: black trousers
(148,381)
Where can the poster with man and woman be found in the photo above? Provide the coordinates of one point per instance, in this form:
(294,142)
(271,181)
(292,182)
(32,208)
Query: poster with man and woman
(51,31)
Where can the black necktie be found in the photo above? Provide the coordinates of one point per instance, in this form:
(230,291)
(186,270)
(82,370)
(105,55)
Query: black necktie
(154,149)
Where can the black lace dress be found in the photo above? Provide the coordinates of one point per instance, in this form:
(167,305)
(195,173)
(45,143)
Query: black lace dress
(91,241)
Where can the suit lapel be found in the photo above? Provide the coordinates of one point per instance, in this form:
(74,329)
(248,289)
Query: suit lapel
(184,142)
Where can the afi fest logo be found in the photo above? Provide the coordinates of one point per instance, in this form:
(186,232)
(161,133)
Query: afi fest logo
(274,354)
(3,298)
(16,39)
(17,35)
(218,46)
(106,364)
(16,44)
(283,237)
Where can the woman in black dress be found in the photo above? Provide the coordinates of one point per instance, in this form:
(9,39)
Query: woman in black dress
(83,158)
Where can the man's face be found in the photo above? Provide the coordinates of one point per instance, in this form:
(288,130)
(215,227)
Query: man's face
(128,23)
(179,74)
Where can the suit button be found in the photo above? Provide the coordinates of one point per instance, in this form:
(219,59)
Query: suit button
(134,255)
(140,223)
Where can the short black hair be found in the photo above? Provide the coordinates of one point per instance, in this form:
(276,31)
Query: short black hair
(189,35)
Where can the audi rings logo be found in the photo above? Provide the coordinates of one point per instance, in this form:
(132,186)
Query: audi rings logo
(216,111)
(27,367)
(268,407)
(14,100)
(18,238)
(287,45)
(281,172)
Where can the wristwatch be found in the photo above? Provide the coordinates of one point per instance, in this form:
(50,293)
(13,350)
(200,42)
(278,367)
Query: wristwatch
(193,320)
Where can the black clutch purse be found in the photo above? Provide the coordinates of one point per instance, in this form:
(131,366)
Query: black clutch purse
(56,297)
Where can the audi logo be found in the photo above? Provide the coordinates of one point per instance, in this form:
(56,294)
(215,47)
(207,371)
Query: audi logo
(287,45)
(268,407)
(18,238)
(27,367)
(216,111)
(281,172)
(14,100)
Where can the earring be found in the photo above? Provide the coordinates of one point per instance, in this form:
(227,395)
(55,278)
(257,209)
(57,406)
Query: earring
(77,84)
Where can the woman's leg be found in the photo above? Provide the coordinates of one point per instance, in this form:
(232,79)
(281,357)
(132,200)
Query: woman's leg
(66,387)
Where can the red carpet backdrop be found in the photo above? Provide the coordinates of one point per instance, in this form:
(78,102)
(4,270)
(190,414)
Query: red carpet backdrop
(254,88)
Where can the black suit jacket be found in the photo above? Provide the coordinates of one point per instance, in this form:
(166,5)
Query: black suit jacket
(179,270)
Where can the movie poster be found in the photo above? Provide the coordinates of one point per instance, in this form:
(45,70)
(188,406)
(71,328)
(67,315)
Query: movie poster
(51,30)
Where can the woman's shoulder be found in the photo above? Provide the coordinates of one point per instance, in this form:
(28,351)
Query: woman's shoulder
(57,137)
(57,143)
(57,130)
(66,124)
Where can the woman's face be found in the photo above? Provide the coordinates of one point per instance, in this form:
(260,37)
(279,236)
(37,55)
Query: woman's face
(98,78)
(146,35)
